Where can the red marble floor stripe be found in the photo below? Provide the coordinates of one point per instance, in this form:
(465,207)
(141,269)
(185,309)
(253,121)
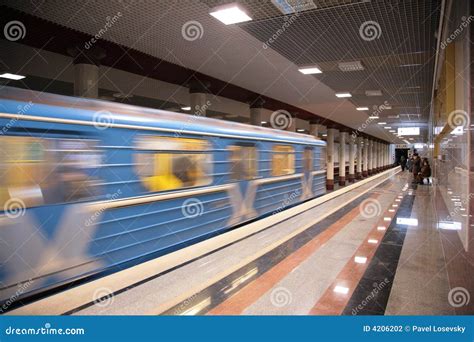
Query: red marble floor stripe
(333,303)
(236,304)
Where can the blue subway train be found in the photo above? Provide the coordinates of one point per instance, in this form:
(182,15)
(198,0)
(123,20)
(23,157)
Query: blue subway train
(90,186)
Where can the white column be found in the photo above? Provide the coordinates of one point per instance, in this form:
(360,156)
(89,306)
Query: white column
(365,168)
(256,115)
(379,166)
(86,80)
(377,156)
(330,158)
(351,159)
(198,103)
(359,157)
(316,130)
(371,157)
(342,158)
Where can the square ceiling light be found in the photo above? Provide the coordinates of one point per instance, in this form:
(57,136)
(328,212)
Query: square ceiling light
(308,70)
(340,95)
(373,93)
(12,76)
(230,14)
(350,66)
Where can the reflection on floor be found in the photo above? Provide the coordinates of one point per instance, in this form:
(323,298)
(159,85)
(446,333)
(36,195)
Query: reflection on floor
(383,248)
(387,255)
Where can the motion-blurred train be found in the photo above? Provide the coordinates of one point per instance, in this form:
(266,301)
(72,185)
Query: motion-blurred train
(89,187)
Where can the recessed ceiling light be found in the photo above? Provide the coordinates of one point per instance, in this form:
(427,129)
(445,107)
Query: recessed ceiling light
(263,122)
(230,14)
(350,66)
(388,127)
(373,93)
(300,130)
(374,117)
(409,65)
(362,108)
(310,70)
(186,108)
(392,131)
(325,135)
(382,123)
(12,76)
(373,241)
(343,95)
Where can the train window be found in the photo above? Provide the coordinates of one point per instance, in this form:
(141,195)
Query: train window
(283,160)
(38,171)
(322,158)
(308,159)
(168,163)
(243,162)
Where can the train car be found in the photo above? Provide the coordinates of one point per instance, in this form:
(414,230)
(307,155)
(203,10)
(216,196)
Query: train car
(90,187)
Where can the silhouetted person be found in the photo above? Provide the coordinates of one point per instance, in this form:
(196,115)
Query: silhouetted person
(403,163)
(425,171)
(416,166)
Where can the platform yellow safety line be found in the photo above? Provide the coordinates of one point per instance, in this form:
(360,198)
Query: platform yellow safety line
(81,295)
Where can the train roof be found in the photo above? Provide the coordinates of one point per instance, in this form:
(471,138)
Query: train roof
(44,106)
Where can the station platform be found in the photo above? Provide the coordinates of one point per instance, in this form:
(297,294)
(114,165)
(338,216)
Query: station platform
(372,247)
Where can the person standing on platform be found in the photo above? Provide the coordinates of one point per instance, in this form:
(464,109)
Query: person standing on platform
(403,163)
(416,166)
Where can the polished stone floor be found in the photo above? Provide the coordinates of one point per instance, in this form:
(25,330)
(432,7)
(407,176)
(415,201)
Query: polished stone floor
(377,250)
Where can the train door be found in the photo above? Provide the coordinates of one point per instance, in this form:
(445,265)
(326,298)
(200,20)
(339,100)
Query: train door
(308,166)
(243,172)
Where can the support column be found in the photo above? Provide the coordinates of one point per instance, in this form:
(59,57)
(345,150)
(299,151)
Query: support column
(381,156)
(330,158)
(256,112)
(351,159)
(389,164)
(360,159)
(342,158)
(198,91)
(377,157)
(86,80)
(371,157)
(316,130)
(86,71)
(385,160)
(365,157)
